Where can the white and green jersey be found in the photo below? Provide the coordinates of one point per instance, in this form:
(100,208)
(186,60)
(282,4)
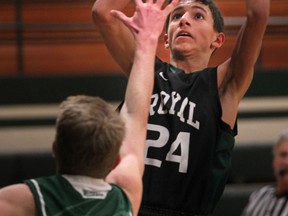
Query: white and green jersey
(68,195)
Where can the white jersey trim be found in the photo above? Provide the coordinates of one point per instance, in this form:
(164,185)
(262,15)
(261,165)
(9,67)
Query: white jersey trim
(88,187)
(42,202)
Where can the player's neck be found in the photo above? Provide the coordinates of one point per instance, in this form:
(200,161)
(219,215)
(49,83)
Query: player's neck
(189,65)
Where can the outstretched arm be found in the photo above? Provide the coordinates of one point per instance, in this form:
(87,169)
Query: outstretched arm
(117,37)
(235,75)
(146,25)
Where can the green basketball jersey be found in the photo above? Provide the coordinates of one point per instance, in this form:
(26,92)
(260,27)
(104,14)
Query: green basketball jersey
(78,195)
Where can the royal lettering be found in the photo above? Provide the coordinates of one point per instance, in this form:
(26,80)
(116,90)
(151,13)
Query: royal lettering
(173,104)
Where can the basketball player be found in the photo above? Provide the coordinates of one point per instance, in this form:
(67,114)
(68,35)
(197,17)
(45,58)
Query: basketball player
(89,134)
(193,111)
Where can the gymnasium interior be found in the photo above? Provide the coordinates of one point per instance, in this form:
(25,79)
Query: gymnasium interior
(50,49)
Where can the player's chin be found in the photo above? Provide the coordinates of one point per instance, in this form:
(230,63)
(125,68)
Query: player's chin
(182,49)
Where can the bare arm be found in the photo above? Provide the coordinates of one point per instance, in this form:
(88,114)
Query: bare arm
(146,25)
(236,74)
(17,200)
(117,37)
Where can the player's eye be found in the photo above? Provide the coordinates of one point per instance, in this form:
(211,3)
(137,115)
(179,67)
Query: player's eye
(199,16)
(176,16)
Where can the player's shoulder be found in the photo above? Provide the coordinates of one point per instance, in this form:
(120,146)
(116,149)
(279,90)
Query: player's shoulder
(17,195)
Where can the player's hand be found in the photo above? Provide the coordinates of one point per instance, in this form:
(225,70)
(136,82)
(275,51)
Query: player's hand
(149,17)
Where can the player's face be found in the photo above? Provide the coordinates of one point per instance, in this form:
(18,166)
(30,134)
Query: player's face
(190,28)
(280,162)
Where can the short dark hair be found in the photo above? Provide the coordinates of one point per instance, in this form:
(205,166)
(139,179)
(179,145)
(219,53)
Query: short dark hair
(216,14)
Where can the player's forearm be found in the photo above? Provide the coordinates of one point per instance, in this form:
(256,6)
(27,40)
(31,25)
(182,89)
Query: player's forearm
(117,37)
(253,32)
(141,78)
(248,44)
(137,101)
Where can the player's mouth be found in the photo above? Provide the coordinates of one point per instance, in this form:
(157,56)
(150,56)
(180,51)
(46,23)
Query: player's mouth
(183,34)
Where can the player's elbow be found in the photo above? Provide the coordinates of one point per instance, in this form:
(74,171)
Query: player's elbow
(259,15)
(99,13)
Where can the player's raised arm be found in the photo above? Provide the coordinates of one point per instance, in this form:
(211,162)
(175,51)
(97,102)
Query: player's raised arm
(236,74)
(146,25)
(117,37)
(248,45)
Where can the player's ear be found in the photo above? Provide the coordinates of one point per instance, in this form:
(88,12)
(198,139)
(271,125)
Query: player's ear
(117,161)
(219,41)
(166,42)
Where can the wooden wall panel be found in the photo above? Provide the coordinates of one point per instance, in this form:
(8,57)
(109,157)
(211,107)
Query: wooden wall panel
(8,50)
(59,38)
(7,13)
(235,8)
(68,58)
(8,60)
(275,52)
(62,12)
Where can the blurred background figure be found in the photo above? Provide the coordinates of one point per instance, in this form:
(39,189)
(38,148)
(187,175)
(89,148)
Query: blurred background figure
(272,199)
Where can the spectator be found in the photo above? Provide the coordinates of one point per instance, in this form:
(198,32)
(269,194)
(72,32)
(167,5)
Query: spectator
(272,200)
